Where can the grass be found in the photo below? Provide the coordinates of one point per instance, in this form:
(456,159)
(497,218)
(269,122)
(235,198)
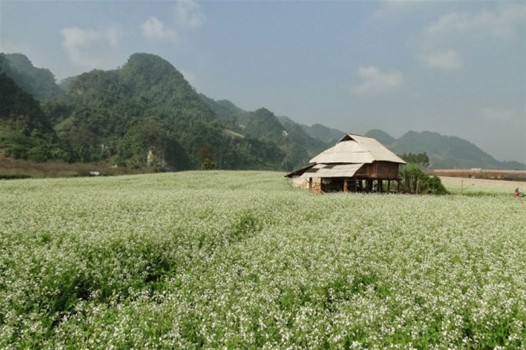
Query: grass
(241,260)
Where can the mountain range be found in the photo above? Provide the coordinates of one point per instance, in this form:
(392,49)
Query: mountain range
(444,152)
(145,114)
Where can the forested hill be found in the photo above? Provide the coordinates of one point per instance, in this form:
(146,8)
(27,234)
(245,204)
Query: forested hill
(25,130)
(264,125)
(38,82)
(323,133)
(147,114)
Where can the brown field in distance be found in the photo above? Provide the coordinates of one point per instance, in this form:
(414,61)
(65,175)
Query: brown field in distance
(468,185)
(477,173)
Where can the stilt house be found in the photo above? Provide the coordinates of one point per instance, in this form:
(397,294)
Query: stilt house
(356,163)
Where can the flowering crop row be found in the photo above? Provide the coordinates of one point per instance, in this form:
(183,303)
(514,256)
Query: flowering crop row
(241,260)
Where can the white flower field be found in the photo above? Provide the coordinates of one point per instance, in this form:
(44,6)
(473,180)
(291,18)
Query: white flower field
(241,260)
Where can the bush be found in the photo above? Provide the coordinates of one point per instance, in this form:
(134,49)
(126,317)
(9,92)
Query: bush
(436,186)
(415,181)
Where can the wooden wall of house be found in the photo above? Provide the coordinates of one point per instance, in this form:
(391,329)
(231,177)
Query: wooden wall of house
(380,170)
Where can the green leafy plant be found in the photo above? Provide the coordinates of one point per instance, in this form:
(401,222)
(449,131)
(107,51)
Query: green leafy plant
(415,181)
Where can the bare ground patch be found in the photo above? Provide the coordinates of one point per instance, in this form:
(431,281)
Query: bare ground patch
(473,185)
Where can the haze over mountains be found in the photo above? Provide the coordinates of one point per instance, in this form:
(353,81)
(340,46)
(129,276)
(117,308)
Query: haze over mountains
(146,114)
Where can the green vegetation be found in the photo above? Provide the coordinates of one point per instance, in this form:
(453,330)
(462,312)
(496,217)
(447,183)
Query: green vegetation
(146,115)
(421,159)
(38,82)
(25,130)
(236,260)
(296,145)
(415,181)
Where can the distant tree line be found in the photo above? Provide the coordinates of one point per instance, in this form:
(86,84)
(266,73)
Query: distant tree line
(416,158)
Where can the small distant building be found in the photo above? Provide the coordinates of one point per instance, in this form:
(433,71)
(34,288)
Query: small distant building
(355,164)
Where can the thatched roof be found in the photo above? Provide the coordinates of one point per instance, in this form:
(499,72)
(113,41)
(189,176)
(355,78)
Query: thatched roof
(332,170)
(345,158)
(357,150)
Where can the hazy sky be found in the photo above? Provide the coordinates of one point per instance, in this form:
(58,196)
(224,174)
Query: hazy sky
(454,67)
